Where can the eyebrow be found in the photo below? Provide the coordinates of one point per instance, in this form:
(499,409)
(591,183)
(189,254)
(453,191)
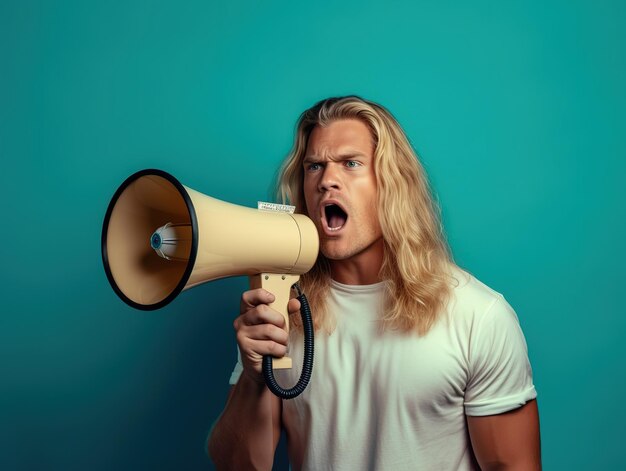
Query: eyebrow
(343,156)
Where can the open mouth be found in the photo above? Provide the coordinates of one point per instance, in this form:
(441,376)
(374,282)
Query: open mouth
(335,217)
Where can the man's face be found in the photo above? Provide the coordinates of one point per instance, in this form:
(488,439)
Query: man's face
(340,191)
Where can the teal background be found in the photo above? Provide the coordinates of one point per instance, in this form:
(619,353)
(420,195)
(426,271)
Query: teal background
(516,108)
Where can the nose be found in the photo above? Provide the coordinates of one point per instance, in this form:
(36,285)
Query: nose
(330,178)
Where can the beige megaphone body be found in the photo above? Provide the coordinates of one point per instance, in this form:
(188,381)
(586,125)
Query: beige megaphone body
(160,237)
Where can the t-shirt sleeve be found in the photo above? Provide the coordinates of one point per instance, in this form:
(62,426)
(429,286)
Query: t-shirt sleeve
(234,376)
(500,375)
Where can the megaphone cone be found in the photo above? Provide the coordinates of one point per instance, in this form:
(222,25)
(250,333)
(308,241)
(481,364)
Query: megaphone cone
(160,237)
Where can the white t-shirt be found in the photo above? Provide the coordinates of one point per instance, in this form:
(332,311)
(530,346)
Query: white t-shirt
(393,401)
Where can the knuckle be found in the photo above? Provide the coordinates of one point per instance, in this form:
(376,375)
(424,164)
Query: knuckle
(248,299)
(242,340)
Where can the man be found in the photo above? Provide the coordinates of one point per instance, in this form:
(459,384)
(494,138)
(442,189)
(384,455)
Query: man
(417,365)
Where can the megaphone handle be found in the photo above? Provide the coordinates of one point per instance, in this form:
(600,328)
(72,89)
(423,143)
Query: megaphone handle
(280,287)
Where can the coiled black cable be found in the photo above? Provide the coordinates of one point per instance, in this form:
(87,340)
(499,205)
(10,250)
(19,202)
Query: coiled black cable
(307,364)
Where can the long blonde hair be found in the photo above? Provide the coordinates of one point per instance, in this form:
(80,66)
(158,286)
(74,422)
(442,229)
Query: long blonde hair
(416,258)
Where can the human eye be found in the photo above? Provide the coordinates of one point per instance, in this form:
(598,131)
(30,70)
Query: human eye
(312,166)
(352,164)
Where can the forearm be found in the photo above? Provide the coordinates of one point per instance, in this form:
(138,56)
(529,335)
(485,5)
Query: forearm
(245,435)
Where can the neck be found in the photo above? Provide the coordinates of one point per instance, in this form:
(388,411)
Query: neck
(359,269)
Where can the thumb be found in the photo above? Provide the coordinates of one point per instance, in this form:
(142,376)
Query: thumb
(293,306)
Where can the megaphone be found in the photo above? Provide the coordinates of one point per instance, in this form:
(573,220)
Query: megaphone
(160,238)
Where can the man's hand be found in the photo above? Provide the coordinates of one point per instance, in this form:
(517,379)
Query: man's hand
(260,330)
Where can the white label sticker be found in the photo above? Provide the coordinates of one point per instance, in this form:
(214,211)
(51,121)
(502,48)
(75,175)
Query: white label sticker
(275,207)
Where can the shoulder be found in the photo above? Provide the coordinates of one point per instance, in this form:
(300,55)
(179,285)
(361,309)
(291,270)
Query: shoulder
(472,302)
(470,292)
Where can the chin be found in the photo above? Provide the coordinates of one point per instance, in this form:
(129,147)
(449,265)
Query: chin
(336,253)
(331,253)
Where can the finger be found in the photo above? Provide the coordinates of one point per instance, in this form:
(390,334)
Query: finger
(266,347)
(263,314)
(263,332)
(254,297)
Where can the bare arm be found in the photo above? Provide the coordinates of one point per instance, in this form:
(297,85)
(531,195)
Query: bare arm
(247,433)
(508,441)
